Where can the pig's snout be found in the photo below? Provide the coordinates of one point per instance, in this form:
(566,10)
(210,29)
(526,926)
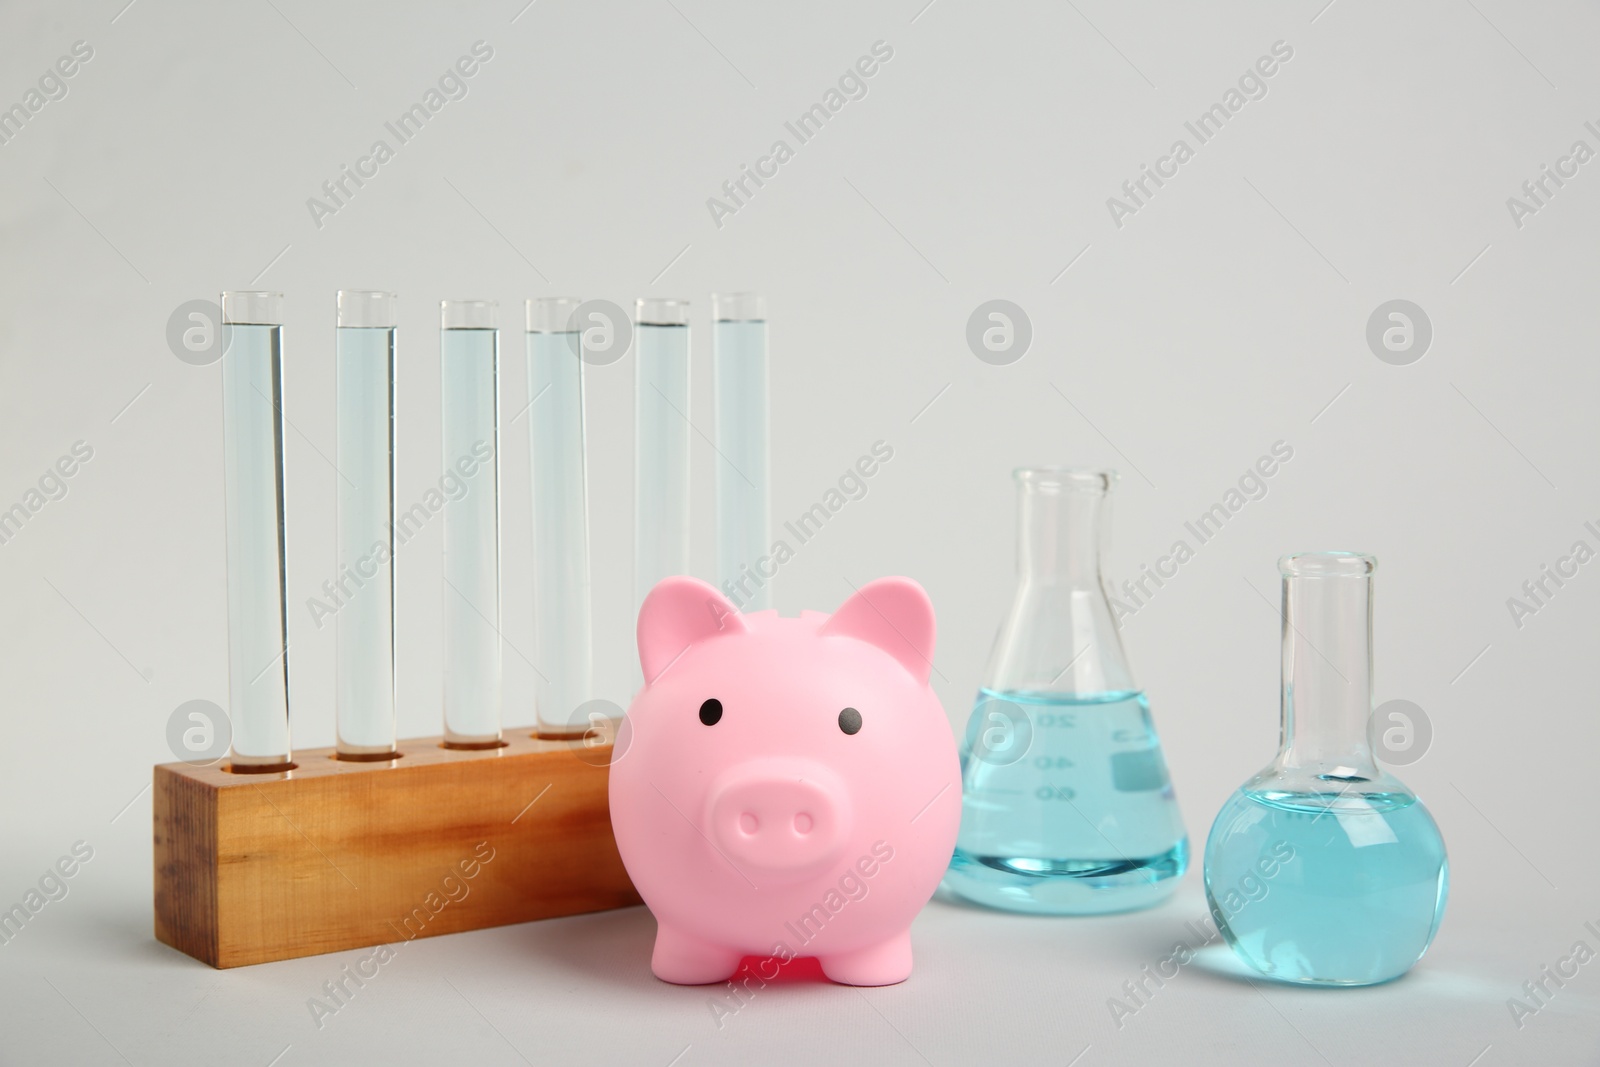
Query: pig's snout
(780,816)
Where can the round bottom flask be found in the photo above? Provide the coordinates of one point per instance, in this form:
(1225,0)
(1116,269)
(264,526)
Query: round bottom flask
(1324,869)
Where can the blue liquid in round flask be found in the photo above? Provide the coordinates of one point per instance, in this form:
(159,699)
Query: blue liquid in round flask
(1067,808)
(1324,869)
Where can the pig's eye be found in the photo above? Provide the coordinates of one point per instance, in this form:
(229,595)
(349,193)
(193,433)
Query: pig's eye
(711,712)
(849,720)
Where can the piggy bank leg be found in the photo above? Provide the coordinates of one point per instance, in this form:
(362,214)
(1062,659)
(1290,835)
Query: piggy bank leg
(683,959)
(885,963)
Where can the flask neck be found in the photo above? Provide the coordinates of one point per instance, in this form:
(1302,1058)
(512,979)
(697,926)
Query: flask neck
(1060,635)
(1059,529)
(1327,668)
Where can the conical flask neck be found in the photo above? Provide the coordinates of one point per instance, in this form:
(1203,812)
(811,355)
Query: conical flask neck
(1060,523)
(1060,635)
(1327,666)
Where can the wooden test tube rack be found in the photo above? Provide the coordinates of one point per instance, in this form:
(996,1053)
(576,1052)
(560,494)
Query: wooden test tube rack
(337,854)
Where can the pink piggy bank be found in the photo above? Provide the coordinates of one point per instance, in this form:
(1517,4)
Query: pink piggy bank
(785,787)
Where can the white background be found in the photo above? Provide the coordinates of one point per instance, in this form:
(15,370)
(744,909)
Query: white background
(1228,314)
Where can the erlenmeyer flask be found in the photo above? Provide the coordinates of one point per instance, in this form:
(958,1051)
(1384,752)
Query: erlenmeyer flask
(1066,808)
(1324,868)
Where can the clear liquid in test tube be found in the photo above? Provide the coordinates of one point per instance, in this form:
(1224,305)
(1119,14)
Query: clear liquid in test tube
(469,389)
(739,389)
(252,450)
(562,617)
(364,351)
(660,445)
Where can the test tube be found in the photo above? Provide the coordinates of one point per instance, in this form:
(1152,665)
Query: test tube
(469,428)
(660,445)
(561,595)
(364,384)
(739,391)
(252,467)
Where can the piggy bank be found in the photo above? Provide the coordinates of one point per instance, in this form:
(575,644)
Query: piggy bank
(785,787)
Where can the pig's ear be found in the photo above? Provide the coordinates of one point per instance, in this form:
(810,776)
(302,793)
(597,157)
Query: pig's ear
(678,613)
(895,615)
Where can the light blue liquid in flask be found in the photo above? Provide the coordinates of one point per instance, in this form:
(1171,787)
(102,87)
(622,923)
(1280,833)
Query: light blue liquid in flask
(1324,869)
(1067,807)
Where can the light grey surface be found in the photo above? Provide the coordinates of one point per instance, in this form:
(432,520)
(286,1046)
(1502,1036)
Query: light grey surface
(1228,313)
